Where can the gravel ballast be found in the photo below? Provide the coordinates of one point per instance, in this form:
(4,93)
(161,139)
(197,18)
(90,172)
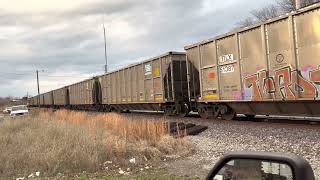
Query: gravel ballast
(224,136)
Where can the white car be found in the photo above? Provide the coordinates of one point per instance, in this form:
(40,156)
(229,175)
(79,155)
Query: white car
(7,110)
(17,111)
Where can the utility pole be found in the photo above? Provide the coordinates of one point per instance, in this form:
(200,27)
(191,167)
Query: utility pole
(38,88)
(298,4)
(105,49)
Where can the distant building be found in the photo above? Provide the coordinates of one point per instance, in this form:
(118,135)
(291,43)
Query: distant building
(16,101)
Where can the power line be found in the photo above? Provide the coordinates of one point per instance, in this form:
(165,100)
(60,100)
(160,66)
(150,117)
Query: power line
(71,76)
(38,88)
(105,49)
(46,71)
(18,74)
(45,75)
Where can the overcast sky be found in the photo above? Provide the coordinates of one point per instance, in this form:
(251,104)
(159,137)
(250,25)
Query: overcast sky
(64,39)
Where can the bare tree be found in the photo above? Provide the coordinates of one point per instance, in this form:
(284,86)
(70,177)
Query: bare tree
(266,13)
(4,101)
(305,3)
(287,5)
(271,11)
(246,22)
(261,15)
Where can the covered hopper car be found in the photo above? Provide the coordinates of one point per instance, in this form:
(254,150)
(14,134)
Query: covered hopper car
(84,95)
(41,99)
(268,68)
(47,99)
(159,83)
(61,97)
(33,101)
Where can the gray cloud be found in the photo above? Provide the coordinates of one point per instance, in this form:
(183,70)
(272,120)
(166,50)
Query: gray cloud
(71,41)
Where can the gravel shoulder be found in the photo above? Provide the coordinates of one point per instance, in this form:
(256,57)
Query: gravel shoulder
(224,136)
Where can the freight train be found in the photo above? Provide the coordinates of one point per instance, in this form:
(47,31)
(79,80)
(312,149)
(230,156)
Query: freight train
(268,68)
(157,84)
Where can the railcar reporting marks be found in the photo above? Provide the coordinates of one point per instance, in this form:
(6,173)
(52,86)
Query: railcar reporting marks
(147,69)
(226,58)
(226,69)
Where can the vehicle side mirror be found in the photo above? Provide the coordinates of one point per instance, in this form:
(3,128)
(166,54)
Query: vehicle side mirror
(261,165)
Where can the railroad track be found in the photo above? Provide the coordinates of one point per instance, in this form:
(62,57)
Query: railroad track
(282,119)
(259,118)
(193,124)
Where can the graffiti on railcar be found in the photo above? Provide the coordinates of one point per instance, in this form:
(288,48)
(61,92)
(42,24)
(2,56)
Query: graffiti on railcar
(284,83)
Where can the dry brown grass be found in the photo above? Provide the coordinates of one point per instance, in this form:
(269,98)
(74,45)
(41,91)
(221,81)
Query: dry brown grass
(143,129)
(72,142)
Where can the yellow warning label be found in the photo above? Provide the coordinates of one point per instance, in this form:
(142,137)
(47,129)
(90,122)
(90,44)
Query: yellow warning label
(156,72)
(210,97)
(158,98)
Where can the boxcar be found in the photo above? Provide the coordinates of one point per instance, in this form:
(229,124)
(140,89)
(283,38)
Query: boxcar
(156,84)
(61,97)
(268,68)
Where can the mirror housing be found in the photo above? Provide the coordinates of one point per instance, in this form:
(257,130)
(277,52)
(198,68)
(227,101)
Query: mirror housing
(301,169)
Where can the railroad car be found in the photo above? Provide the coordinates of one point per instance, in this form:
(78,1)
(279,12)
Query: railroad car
(33,101)
(41,99)
(36,100)
(47,99)
(268,68)
(84,95)
(61,97)
(159,83)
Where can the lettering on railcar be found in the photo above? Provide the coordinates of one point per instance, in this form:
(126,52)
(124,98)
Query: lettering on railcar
(226,58)
(226,69)
(147,69)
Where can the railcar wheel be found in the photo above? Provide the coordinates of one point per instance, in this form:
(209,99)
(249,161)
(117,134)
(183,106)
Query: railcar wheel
(168,111)
(229,115)
(111,109)
(216,114)
(108,109)
(204,113)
